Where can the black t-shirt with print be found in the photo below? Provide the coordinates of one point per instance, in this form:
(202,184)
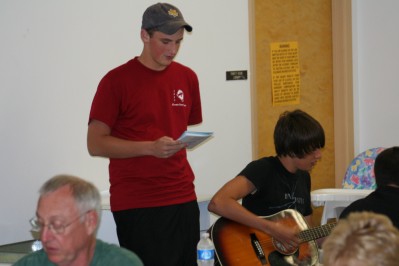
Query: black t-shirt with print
(276,188)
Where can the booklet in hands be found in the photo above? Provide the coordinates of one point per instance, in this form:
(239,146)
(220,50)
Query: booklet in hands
(194,138)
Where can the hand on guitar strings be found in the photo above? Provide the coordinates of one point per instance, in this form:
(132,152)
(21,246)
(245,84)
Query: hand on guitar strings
(286,236)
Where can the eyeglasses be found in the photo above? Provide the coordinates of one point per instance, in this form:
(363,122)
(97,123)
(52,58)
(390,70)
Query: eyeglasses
(55,226)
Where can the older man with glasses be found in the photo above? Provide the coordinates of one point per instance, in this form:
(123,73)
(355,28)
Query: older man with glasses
(67,217)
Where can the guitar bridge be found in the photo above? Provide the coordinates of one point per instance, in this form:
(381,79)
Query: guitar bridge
(258,249)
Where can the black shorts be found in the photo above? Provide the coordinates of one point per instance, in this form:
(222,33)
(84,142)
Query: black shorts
(161,236)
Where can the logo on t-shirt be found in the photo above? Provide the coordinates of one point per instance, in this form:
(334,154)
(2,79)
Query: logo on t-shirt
(180,95)
(178,98)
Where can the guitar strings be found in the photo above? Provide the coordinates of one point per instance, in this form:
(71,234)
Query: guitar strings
(266,243)
(316,232)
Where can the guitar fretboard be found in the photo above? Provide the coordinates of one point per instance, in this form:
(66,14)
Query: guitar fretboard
(316,232)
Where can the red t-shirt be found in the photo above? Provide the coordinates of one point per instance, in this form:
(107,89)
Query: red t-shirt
(141,104)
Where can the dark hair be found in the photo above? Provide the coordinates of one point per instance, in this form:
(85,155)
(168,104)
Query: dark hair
(297,134)
(386,167)
(151,31)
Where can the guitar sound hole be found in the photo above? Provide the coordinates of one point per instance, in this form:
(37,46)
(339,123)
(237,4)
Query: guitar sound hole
(282,249)
(280,246)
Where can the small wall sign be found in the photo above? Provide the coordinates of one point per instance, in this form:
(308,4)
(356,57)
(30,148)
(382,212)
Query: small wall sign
(237,75)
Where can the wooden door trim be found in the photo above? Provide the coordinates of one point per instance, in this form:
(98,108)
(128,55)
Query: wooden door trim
(342,87)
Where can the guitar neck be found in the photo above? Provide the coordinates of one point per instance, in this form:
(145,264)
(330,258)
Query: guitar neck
(316,232)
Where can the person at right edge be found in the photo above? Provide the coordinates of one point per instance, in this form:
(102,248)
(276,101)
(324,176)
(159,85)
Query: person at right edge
(139,111)
(384,200)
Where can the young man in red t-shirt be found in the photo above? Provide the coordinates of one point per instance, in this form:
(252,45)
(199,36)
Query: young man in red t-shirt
(139,110)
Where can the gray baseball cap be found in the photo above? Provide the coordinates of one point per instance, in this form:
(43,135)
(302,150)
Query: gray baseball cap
(164,18)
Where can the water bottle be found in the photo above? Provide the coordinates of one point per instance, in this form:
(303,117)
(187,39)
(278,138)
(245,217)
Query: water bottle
(205,251)
(36,245)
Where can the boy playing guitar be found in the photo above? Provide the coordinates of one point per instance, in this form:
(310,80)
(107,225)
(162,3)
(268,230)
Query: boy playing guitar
(273,184)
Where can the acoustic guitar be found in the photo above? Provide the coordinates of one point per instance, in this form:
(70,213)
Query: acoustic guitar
(240,245)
